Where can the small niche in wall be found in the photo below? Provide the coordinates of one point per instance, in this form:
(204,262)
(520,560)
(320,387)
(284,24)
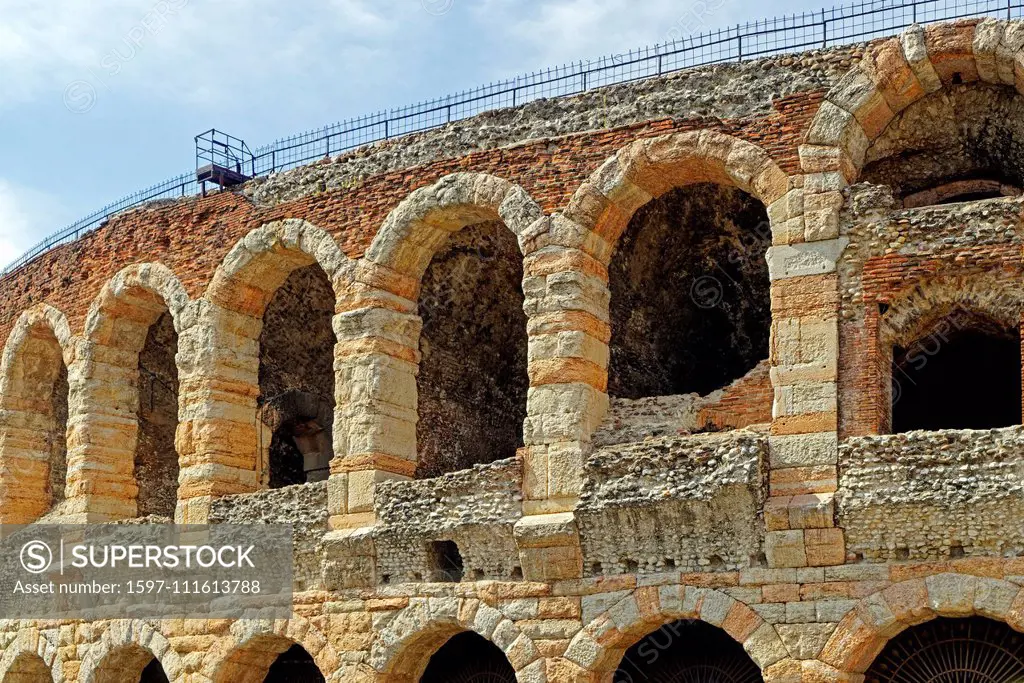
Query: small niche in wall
(446,561)
(964,376)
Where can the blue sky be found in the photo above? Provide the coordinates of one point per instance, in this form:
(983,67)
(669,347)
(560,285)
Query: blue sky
(99,98)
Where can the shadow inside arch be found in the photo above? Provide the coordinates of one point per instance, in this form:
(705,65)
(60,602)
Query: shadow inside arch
(269,658)
(129,663)
(28,667)
(687,650)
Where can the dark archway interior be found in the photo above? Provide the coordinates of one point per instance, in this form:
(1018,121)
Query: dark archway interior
(59,435)
(156,460)
(690,305)
(473,372)
(469,658)
(964,132)
(958,378)
(297,378)
(691,651)
(970,650)
(153,673)
(446,561)
(294,665)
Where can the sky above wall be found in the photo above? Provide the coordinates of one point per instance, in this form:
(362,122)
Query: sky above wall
(102,98)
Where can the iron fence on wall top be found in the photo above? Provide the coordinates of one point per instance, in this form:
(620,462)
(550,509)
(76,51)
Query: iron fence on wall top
(843,24)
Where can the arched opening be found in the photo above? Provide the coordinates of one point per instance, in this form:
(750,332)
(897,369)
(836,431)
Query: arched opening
(962,143)
(269,659)
(28,667)
(294,665)
(969,650)
(473,380)
(690,307)
(130,664)
(156,460)
(34,396)
(690,651)
(296,379)
(964,372)
(469,658)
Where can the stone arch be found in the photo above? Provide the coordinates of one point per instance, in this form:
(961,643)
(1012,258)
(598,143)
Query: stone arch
(403,648)
(423,222)
(247,656)
(219,362)
(380,330)
(933,308)
(38,353)
(128,646)
(568,284)
(31,658)
(648,168)
(894,74)
(105,426)
(913,310)
(874,620)
(600,646)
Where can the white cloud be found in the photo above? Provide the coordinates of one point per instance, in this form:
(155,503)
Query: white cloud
(561,31)
(26,215)
(184,48)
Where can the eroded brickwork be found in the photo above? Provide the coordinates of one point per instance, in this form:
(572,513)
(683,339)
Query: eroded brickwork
(467,303)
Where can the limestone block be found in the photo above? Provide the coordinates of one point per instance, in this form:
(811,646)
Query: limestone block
(812,511)
(858,94)
(950,48)
(836,127)
(400,327)
(361,487)
(824,547)
(951,595)
(569,344)
(916,52)
(381,433)
(765,647)
(1011,42)
(563,413)
(785,548)
(803,450)
(803,398)
(797,260)
(988,36)
(896,80)
(805,641)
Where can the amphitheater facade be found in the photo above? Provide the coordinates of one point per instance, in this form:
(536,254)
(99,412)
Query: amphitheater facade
(712,372)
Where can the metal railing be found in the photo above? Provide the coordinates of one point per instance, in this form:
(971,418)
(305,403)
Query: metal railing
(844,24)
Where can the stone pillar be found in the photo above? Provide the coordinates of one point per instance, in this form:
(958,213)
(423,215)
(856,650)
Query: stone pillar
(803,477)
(218,436)
(566,302)
(376,363)
(103,431)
